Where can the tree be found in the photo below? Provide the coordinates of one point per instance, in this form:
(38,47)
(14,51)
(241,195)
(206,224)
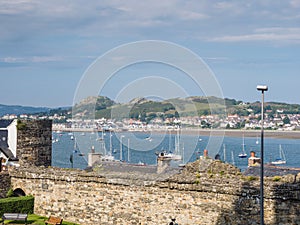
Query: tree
(286,120)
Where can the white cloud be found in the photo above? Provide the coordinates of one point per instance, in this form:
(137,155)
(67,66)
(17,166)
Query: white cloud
(265,34)
(34,59)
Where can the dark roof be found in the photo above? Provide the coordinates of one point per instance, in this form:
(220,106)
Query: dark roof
(3,138)
(5,123)
(4,148)
(7,152)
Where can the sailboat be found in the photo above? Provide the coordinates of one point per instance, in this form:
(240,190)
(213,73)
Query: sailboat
(177,155)
(170,155)
(281,159)
(107,156)
(243,154)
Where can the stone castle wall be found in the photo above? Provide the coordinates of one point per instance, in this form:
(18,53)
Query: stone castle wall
(34,144)
(5,184)
(218,195)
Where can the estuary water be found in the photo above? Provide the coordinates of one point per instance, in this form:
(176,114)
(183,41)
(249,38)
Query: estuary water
(71,149)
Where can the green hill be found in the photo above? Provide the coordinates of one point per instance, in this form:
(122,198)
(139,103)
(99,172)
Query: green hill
(145,109)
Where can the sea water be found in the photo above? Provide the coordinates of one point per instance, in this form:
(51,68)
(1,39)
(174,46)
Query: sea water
(71,149)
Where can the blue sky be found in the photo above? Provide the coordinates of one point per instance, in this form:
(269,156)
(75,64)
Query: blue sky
(46,46)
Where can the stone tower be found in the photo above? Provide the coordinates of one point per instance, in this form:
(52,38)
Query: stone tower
(34,142)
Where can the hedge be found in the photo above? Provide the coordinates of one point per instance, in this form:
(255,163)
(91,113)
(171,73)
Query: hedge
(24,204)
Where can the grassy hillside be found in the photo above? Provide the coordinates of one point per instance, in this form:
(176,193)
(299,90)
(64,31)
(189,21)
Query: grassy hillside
(145,109)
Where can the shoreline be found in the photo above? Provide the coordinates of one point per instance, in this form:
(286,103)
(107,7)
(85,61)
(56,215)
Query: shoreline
(205,132)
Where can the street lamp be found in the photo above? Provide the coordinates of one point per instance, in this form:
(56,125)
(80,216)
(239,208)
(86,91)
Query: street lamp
(262,88)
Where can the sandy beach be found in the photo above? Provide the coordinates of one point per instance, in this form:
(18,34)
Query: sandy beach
(208,132)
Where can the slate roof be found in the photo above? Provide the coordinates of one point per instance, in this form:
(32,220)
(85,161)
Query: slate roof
(4,148)
(3,138)
(5,123)
(7,152)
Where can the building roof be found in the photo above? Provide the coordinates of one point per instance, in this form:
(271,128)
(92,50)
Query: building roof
(3,138)
(4,148)
(5,123)
(7,152)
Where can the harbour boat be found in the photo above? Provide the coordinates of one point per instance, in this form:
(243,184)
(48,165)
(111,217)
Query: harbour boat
(107,158)
(281,159)
(169,154)
(243,154)
(148,138)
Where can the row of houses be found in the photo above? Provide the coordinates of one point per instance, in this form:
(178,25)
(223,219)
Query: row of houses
(279,121)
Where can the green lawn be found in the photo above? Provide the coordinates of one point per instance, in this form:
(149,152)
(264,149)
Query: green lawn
(36,220)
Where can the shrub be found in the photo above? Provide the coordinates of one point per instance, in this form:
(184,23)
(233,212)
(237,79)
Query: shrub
(21,125)
(276,178)
(251,178)
(24,204)
(10,193)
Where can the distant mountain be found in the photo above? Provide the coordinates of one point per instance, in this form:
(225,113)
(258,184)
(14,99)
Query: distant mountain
(146,109)
(18,110)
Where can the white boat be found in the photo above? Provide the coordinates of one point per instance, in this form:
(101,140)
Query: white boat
(107,158)
(281,159)
(170,155)
(243,154)
(148,139)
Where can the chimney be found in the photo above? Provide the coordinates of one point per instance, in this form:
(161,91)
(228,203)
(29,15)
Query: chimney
(205,153)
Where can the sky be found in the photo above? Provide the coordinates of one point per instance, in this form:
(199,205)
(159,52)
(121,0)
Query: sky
(48,47)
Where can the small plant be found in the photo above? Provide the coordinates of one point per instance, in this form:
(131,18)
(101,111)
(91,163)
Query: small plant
(198,175)
(21,125)
(197,181)
(222,173)
(276,178)
(10,193)
(251,178)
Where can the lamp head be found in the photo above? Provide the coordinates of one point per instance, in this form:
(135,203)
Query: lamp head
(262,87)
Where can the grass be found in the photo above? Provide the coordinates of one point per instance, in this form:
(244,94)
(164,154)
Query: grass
(35,220)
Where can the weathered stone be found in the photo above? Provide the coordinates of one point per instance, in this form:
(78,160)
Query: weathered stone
(221,195)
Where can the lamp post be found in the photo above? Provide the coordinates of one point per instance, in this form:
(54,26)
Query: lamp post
(262,88)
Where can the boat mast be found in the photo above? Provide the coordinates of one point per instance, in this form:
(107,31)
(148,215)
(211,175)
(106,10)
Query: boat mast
(110,143)
(224,152)
(232,158)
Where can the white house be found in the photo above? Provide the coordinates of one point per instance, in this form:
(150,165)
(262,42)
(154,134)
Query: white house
(8,141)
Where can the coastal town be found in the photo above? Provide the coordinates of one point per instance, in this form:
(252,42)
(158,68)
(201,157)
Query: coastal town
(280,121)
